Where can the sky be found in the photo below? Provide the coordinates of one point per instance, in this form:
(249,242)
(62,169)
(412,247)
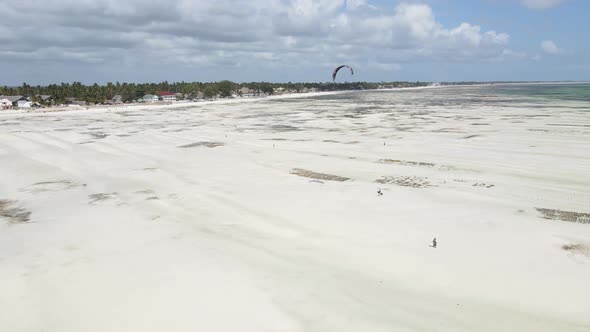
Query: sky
(53,41)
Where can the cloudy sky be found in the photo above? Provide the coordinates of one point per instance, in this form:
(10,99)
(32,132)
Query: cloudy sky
(50,41)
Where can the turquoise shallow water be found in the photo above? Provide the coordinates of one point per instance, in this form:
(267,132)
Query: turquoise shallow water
(572,92)
(539,97)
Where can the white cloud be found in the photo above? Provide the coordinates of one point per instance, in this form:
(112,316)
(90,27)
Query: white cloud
(238,33)
(541,4)
(511,53)
(550,47)
(536,57)
(356,4)
(384,66)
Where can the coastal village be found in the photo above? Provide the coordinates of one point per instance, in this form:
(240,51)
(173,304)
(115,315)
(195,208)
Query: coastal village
(39,101)
(77,94)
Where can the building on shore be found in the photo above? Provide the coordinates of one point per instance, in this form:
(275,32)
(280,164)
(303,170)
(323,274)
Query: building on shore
(75,102)
(246,92)
(150,98)
(13,100)
(167,95)
(41,99)
(24,103)
(5,103)
(117,99)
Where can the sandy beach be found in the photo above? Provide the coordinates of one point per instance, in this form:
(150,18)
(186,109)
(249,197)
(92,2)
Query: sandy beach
(263,215)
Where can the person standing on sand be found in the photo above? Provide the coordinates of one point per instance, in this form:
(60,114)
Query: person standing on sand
(433,243)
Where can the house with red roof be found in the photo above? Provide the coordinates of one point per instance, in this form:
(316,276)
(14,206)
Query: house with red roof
(167,95)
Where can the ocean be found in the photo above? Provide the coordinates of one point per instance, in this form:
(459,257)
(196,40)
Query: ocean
(503,95)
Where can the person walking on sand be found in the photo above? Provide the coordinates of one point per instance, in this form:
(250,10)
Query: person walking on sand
(433,243)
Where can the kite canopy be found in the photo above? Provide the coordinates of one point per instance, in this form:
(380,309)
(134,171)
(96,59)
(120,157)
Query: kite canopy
(338,68)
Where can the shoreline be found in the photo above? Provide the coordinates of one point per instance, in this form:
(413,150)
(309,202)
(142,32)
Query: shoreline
(157,105)
(233,100)
(179,104)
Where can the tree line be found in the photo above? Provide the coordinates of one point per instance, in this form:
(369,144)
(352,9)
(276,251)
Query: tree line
(129,92)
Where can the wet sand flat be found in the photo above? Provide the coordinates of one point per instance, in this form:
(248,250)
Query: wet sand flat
(257,216)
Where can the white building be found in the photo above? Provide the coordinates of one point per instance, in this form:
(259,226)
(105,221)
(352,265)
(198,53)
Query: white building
(5,103)
(13,99)
(24,104)
(117,99)
(150,98)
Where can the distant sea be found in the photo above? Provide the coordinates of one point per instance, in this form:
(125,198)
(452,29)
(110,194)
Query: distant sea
(502,95)
(565,91)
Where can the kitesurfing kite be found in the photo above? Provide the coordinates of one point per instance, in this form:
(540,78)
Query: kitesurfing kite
(338,68)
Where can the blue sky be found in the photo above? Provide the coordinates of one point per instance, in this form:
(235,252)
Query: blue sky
(54,41)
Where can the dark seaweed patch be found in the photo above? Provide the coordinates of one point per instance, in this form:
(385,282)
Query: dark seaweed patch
(205,144)
(553,214)
(318,176)
(14,214)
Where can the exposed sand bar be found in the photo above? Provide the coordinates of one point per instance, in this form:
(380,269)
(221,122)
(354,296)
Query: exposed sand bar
(178,219)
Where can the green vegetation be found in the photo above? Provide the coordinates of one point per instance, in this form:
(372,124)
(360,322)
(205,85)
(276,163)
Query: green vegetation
(225,88)
(99,94)
(210,91)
